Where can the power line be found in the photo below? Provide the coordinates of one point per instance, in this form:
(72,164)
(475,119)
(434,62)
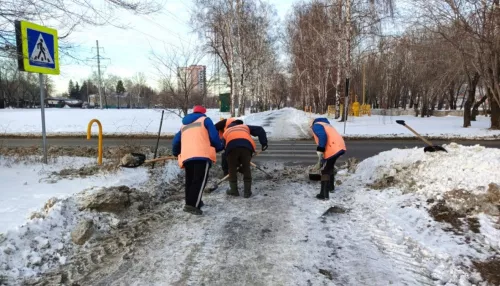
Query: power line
(167,29)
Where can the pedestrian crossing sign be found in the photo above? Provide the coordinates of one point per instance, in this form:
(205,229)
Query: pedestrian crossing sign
(37,48)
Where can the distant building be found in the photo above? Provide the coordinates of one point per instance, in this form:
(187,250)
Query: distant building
(195,77)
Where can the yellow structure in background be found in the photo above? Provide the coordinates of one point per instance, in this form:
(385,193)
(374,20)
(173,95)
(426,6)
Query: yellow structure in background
(331,110)
(355,109)
(99,147)
(365,110)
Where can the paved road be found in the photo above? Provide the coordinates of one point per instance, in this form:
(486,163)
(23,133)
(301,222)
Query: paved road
(290,152)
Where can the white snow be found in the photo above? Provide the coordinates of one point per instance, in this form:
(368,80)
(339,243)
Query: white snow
(27,186)
(433,174)
(31,246)
(401,205)
(279,236)
(287,123)
(67,121)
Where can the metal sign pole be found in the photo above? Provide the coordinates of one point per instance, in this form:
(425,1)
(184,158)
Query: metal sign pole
(42,104)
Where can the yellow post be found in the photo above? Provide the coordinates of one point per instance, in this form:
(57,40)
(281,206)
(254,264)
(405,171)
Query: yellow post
(99,146)
(355,109)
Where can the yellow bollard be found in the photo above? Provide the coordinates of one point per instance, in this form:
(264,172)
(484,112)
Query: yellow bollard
(99,146)
(355,109)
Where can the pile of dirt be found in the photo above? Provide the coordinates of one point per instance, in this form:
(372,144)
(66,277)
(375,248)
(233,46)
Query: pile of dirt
(460,220)
(460,208)
(489,269)
(114,153)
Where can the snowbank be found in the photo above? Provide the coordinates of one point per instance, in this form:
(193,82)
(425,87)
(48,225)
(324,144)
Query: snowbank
(39,210)
(442,206)
(287,123)
(26,186)
(471,168)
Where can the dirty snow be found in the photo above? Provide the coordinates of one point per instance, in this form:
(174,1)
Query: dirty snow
(26,186)
(30,246)
(382,235)
(287,123)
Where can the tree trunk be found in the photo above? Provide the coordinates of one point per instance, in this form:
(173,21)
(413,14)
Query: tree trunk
(475,108)
(495,114)
(471,95)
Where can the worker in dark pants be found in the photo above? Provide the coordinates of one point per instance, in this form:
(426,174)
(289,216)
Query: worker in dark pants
(195,146)
(330,146)
(221,127)
(240,148)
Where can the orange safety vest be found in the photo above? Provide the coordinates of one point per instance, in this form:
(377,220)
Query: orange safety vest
(228,121)
(195,142)
(334,141)
(239,132)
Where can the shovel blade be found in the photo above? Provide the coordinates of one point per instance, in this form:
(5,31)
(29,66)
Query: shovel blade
(133,160)
(434,148)
(314,177)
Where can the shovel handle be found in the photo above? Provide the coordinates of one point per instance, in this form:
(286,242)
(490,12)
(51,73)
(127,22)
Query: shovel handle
(419,136)
(159,159)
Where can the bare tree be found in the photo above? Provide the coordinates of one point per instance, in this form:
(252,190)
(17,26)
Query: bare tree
(65,16)
(180,87)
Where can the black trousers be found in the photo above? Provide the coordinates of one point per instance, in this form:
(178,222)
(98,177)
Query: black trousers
(225,167)
(239,157)
(329,167)
(196,180)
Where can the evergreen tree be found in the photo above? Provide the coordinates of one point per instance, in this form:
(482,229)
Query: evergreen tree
(120,89)
(84,91)
(71,87)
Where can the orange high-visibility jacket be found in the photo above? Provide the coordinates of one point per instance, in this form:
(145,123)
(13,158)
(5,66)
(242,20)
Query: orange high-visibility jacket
(238,132)
(228,121)
(195,142)
(334,144)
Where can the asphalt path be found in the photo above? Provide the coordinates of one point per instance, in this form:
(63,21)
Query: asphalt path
(301,152)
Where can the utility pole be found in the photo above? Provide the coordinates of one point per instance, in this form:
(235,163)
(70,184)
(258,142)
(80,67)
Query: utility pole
(99,73)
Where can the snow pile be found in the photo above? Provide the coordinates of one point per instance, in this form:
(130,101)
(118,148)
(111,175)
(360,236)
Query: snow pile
(286,123)
(471,168)
(443,207)
(27,185)
(44,242)
(38,215)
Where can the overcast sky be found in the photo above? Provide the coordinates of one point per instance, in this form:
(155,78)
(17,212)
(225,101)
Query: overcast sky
(129,50)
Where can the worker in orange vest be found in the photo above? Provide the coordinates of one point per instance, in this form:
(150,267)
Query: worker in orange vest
(330,147)
(195,146)
(240,148)
(221,126)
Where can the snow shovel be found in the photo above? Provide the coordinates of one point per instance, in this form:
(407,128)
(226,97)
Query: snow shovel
(429,147)
(316,176)
(209,190)
(134,160)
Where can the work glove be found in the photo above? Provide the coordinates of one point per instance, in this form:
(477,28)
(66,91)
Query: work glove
(264,147)
(321,161)
(321,155)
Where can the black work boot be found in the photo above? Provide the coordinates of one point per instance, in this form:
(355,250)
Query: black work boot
(192,210)
(332,183)
(324,193)
(233,189)
(247,189)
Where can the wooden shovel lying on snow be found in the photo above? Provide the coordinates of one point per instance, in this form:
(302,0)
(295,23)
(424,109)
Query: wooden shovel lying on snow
(134,160)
